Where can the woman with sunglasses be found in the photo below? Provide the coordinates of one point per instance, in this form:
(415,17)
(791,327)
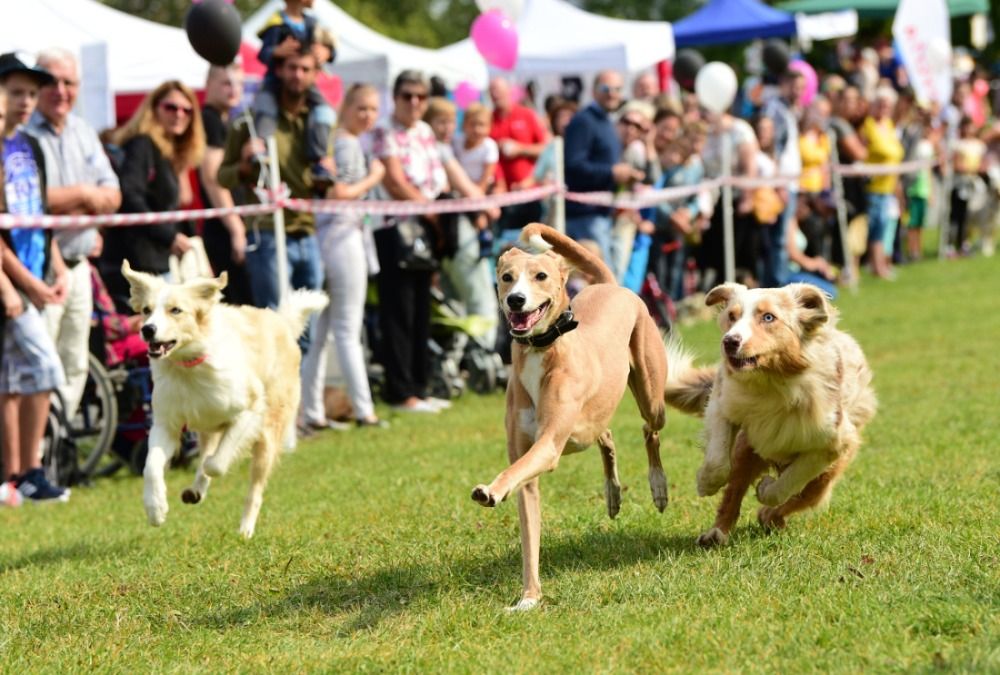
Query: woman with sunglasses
(161,143)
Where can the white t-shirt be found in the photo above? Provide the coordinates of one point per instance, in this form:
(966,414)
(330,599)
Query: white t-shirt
(474,160)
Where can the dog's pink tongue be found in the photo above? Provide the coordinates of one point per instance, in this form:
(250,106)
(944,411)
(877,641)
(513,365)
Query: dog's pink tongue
(520,320)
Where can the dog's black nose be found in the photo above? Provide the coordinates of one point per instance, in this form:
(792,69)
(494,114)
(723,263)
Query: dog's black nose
(731,343)
(516,301)
(148,332)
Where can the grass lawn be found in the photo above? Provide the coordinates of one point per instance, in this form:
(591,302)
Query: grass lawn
(370,555)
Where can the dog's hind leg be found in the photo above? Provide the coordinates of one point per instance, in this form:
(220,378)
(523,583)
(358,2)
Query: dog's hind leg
(199,488)
(746,466)
(612,487)
(647,378)
(261,462)
(815,493)
(240,434)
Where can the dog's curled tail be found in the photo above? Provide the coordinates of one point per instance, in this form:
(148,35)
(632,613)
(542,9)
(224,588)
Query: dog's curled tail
(542,238)
(688,387)
(299,305)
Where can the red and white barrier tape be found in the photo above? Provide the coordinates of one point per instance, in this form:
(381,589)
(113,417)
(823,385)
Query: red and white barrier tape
(274,201)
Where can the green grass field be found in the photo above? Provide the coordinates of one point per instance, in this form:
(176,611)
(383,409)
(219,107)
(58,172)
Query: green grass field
(370,555)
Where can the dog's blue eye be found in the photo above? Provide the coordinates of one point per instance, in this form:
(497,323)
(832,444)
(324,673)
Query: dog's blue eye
(175,310)
(541,276)
(767,318)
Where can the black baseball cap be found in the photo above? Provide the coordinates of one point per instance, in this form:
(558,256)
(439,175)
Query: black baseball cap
(10,64)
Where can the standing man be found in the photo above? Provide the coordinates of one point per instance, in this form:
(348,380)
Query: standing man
(521,139)
(296,74)
(80,181)
(225,237)
(593,162)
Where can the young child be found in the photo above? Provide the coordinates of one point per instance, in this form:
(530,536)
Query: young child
(918,194)
(284,34)
(478,154)
(30,369)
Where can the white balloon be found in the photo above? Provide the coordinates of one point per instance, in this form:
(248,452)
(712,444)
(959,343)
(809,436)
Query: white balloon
(512,8)
(715,86)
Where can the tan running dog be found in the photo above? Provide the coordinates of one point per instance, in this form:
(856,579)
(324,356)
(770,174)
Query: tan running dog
(793,393)
(570,369)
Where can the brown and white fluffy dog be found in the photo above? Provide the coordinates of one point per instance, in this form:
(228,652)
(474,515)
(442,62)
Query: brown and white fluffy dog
(230,373)
(793,393)
(569,375)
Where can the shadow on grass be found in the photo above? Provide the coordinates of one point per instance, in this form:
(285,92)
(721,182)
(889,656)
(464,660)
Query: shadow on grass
(86,552)
(376,597)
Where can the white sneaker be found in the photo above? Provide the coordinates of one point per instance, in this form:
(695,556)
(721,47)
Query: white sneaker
(421,406)
(10,495)
(439,403)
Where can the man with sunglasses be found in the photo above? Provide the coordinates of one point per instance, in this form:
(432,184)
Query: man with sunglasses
(593,162)
(81,181)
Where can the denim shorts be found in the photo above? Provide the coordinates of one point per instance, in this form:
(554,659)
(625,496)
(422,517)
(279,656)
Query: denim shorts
(30,362)
(881,215)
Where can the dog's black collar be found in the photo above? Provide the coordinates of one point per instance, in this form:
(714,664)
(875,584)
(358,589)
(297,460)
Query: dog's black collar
(564,324)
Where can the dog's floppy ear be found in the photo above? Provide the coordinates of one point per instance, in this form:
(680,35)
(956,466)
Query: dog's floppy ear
(723,293)
(814,310)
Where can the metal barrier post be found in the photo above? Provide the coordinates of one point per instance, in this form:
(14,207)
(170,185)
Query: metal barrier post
(280,247)
(947,185)
(559,199)
(848,273)
(727,208)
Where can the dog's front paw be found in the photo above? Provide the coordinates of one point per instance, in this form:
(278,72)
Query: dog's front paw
(711,478)
(767,492)
(524,605)
(712,538)
(155,501)
(482,495)
(658,487)
(770,519)
(247,529)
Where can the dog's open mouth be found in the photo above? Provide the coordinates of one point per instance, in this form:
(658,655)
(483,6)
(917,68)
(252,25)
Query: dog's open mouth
(522,322)
(156,349)
(742,362)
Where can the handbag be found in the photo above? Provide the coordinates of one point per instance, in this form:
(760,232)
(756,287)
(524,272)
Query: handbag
(416,245)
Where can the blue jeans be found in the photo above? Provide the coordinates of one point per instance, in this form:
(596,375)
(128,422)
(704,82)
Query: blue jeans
(776,269)
(305,268)
(882,220)
(596,227)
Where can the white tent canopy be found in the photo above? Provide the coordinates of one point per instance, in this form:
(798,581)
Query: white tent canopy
(555,37)
(364,55)
(141,54)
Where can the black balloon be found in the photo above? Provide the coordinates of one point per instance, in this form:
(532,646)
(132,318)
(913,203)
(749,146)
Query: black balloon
(686,66)
(776,56)
(213,28)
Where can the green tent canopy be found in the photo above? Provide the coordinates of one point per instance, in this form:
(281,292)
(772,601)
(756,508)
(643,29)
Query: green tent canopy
(877,9)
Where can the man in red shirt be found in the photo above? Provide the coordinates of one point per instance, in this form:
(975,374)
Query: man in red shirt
(521,138)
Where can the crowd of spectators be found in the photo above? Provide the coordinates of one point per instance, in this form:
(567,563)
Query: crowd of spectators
(175,153)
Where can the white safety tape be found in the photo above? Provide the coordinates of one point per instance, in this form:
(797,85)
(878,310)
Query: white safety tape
(883,169)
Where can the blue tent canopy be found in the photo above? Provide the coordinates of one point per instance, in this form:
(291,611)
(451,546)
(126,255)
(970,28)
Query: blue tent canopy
(724,21)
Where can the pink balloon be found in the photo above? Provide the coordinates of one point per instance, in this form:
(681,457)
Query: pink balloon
(466,93)
(811,80)
(496,38)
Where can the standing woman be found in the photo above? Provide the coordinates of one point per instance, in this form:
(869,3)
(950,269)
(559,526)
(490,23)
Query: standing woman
(414,171)
(162,142)
(342,242)
(879,134)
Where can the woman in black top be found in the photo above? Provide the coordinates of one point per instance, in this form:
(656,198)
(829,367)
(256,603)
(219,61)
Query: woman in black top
(162,142)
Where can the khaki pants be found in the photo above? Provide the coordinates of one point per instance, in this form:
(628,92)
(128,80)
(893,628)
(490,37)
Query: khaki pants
(69,326)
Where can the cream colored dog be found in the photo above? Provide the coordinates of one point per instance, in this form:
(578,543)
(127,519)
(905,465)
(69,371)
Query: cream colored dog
(793,392)
(229,373)
(570,370)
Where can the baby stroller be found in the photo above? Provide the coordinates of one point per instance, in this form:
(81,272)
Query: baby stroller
(459,357)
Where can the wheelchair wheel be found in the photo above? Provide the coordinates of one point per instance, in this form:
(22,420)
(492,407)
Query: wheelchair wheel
(94,424)
(58,449)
